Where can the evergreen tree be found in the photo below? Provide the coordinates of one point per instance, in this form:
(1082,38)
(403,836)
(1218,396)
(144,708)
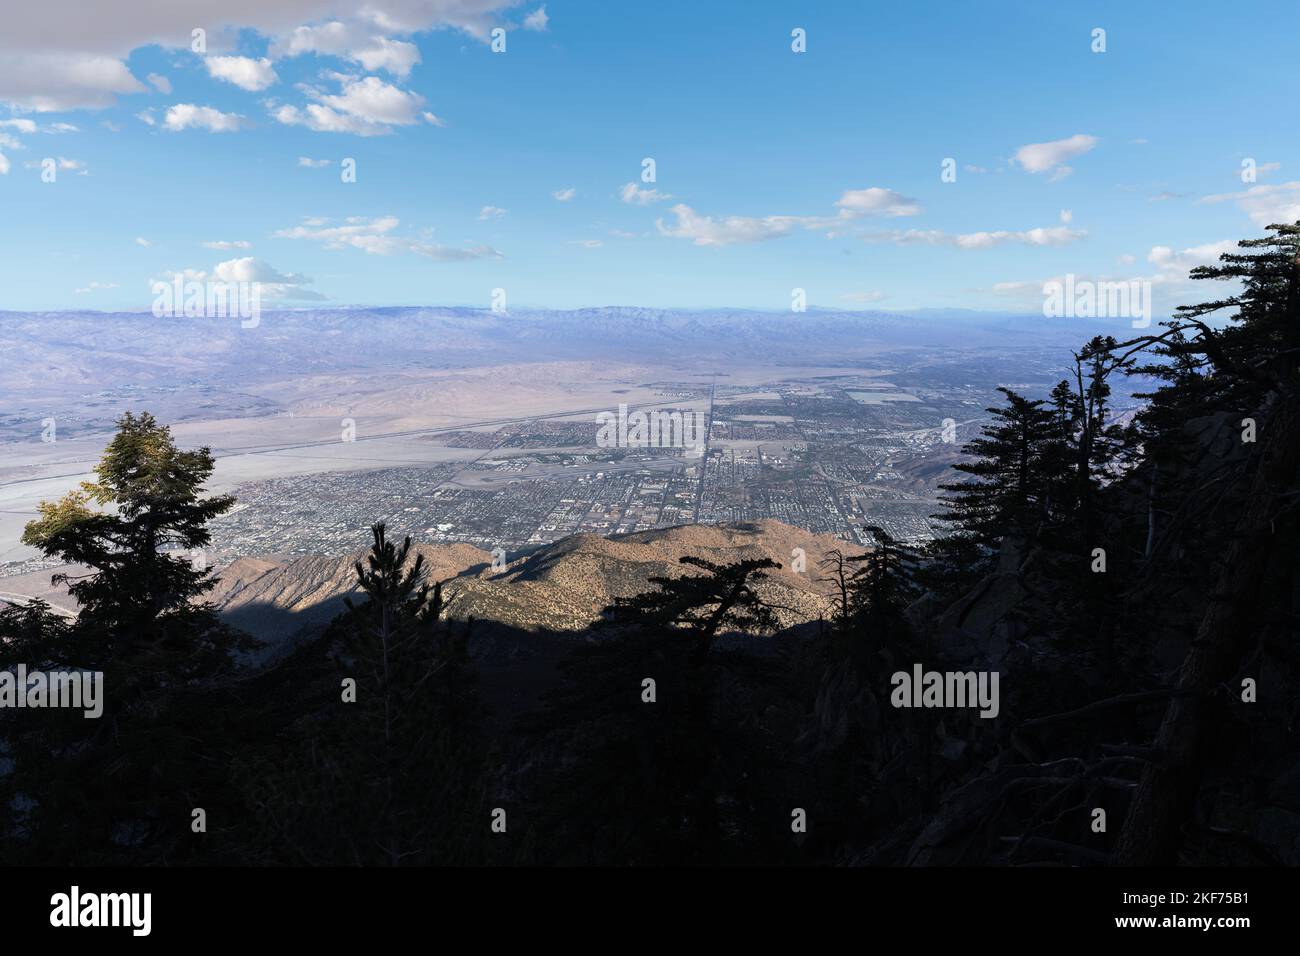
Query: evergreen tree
(1011,487)
(389,769)
(122,787)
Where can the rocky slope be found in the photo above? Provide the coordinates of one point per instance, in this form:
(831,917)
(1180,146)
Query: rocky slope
(559,587)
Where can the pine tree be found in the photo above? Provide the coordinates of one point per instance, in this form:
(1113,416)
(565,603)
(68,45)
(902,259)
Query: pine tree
(390,769)
(122,786)
(1010,491)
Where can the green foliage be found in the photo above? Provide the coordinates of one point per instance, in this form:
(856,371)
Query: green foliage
(123,784)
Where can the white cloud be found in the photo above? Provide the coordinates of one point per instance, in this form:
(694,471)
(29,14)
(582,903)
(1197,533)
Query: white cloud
(537,20)
(636,196)
(875,202)
(1041,236)
(142,242)
(4,165)
(52,82)
(374,236)
(146,117)
(375,101)
(395,56)
(365,106)
(61,128)
(313,163)
(1178,264)
(187,116)
(1265,205)
(225,244)
(95,287)
(1067,216)
(70,54)
(273,283)
(25,126)
(491,212)
(243,71)
(853,204)
(863,296)
(159,82)
(351,41)
(586,243)
(731,230)
(1041,157)
(564,195)
(8,142)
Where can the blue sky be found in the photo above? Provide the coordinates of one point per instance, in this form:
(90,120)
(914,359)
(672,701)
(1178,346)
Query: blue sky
(775,170)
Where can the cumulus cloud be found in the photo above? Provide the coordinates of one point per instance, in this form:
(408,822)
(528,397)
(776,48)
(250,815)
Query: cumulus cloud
(375,236)
(365,106)
(243,71)
(25,126)
(80,63)
(313,163)
(351,41)
(564,195)
(4,165)
(142,242)
(1042,157)
(159,82)
(636,196)
(491,212)
(228,244)
(188,116)
(1265,205)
